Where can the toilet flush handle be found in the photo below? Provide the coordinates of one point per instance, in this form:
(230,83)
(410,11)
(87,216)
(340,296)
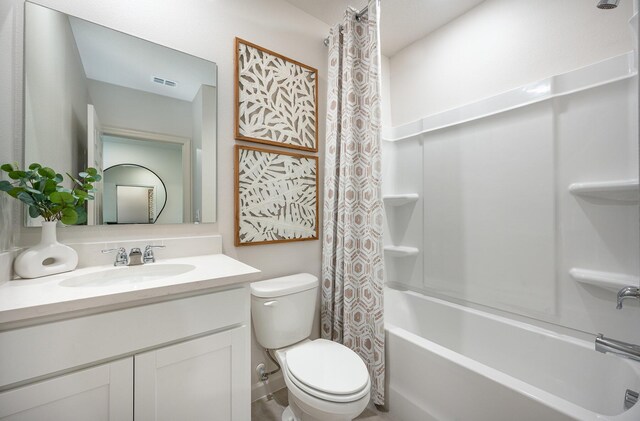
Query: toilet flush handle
(271,303)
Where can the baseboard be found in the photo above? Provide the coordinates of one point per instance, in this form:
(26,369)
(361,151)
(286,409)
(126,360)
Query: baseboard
(262,389)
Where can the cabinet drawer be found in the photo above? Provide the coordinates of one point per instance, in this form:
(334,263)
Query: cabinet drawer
(36,351)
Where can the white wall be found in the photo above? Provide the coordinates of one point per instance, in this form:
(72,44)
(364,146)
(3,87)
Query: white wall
(127,108)
(204,28)
(495,223)
(57,93)
(500,45)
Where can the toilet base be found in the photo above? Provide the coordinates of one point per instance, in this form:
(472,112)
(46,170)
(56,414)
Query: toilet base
(288,415)
(299,415)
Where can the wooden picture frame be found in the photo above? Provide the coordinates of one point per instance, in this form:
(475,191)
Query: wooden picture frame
(291,212)
(272,110)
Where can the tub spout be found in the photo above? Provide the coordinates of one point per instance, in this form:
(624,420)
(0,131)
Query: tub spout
(627,292)
(620,348)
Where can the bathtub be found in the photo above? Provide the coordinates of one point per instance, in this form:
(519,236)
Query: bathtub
(449,362)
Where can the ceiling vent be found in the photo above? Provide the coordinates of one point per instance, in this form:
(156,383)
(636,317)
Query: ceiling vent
(163,81)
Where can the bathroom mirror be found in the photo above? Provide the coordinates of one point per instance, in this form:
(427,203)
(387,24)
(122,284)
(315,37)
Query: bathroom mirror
(96,97)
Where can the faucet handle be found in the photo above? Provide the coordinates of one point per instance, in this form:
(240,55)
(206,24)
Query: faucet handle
(121,258)
(627,292)
(148,253)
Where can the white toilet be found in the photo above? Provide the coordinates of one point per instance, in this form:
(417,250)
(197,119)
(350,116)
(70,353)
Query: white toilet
(326,380)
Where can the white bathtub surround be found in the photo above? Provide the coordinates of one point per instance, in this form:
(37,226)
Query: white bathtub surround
(47,257)
(352,262)
(479,366)
(525,198)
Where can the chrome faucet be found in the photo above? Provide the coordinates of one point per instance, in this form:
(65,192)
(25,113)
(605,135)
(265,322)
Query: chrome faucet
(135,257)
(622,349)
(121,257)
(148,253)
(627,292)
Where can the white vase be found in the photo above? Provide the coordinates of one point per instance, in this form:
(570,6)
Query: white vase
(47,258)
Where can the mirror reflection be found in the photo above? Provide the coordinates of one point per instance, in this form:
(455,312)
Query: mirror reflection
(100,98)
(134,194)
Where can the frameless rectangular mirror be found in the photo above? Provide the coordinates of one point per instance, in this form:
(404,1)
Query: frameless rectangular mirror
(144,115)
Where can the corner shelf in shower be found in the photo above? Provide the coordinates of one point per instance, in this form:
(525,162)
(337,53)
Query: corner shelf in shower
(400,199)
(619,190)
(607,280)
(401,251)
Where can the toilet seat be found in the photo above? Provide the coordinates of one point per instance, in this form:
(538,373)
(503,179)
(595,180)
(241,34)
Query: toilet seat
(327,370)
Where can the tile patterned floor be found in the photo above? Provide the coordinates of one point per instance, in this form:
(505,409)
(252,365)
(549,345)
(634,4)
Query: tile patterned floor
(270,409)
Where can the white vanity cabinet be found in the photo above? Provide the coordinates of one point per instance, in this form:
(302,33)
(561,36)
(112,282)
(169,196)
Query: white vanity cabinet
(194,380)
(100,393)
(184,358)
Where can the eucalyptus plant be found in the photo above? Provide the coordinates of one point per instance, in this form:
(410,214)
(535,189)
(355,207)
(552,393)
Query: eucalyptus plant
(41,190)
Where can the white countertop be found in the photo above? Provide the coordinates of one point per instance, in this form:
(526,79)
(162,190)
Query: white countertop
(26,299)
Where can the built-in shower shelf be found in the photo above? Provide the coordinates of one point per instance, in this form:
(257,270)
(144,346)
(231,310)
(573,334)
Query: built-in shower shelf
(400,199)
(607,280)
(401,251)
(619,190)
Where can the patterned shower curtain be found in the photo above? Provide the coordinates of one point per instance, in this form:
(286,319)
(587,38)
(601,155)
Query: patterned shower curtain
(352,255)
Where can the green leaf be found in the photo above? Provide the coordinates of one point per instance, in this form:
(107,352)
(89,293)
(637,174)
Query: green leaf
(47,172)
(34,212)
(97,177)
(35,166)
(69,216)
(92,171)
(49,186)
(89,179)
(81,193)
(62,197)
(7,168)
(5,185)
(55,197)
(83,174)
(88,186)
(16,175)
(14,192)
(82,215)
(25,198)
(30,190)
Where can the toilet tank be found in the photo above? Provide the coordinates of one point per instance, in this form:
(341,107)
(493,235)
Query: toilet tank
(283,309)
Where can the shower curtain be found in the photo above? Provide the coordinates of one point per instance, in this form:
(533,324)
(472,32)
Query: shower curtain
(352,255)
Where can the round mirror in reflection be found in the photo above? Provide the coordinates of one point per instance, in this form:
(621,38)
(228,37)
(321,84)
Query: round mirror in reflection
(133,194)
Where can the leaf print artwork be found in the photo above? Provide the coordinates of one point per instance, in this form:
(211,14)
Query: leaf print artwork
(276,196)
(276,99)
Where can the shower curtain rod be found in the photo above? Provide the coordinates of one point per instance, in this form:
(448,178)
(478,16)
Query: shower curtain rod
(359,15)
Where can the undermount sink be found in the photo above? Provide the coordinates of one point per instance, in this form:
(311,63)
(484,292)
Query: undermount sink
(127,275)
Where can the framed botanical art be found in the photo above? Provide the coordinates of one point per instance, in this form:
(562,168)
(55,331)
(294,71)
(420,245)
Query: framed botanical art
(276,196)
(276,99)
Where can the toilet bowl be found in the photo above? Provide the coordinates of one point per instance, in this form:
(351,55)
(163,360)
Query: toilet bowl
(325,380)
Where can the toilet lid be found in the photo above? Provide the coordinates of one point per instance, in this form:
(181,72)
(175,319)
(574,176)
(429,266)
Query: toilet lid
(328,367)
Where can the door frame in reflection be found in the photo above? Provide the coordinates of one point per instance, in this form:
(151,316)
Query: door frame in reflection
(185,142)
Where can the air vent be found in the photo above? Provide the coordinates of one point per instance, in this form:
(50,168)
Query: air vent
(165,82)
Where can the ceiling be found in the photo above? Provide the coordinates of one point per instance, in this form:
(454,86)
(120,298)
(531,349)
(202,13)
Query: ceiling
(402,21)
(120,59)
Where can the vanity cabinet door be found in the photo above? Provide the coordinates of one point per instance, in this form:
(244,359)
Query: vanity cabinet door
(104,392)
(201,379)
